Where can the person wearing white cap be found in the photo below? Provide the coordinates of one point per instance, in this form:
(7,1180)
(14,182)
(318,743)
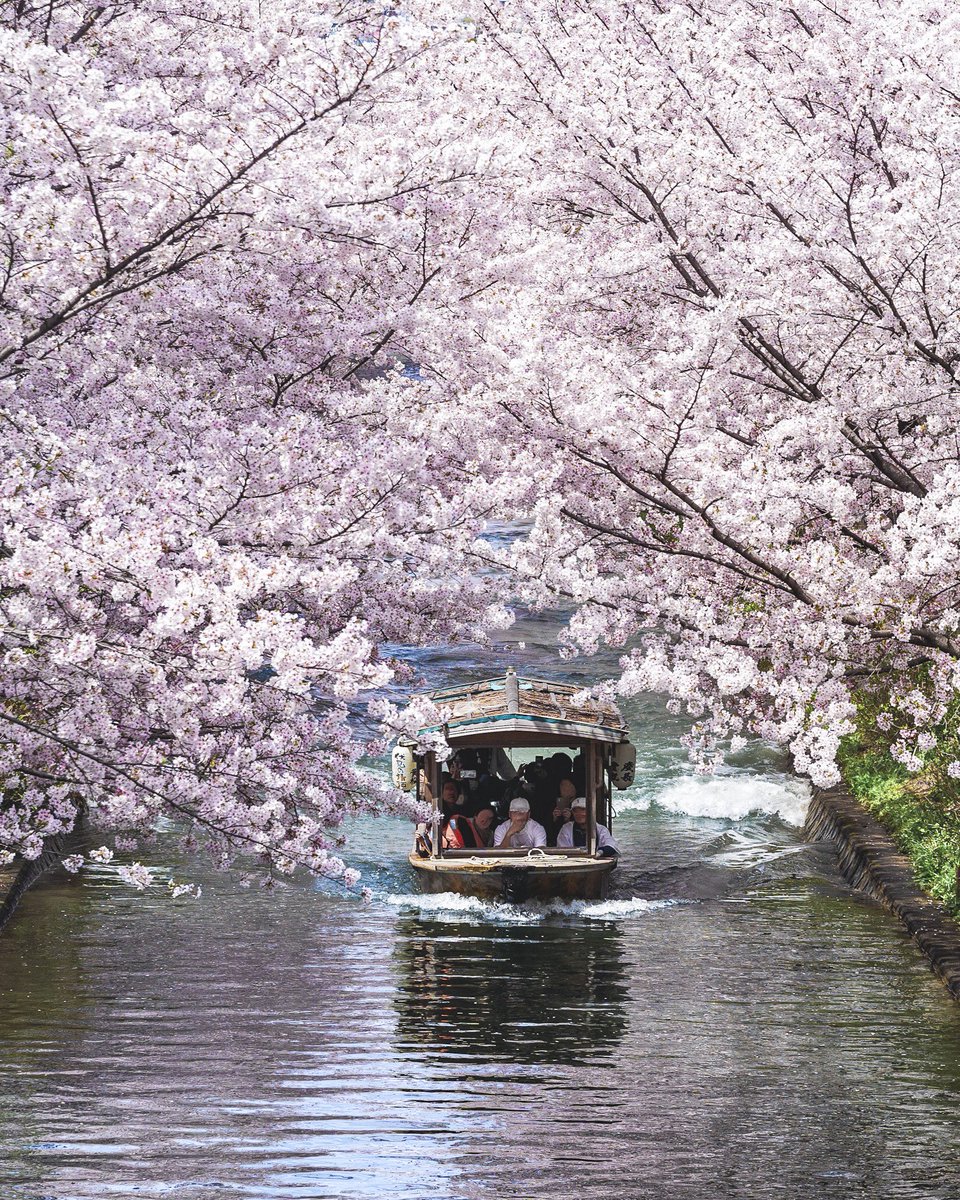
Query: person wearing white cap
(520,831)
(574,833)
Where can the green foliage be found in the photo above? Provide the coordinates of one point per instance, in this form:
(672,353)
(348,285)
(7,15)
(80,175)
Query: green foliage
(921,811)
(873,708)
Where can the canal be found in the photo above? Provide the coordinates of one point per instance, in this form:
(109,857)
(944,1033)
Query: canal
(732,1022)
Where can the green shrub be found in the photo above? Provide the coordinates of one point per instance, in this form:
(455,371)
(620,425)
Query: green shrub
(919,811)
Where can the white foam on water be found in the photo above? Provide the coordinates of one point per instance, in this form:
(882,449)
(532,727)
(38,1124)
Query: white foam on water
(611,910)
(450,906)
(734,797)
(631,802)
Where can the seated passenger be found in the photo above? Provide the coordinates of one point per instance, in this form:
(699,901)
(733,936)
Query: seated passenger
(574,833)
(451,799)
(469,833)
(423,842)
(519,831)
(561,806)
(479,828)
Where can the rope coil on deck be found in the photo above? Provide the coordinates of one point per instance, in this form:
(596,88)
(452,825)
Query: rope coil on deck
(535,853)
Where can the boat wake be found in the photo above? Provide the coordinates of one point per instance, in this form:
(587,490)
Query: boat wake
(726,797)
(452,907)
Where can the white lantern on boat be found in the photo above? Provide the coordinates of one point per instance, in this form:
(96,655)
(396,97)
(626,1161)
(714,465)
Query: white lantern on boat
(623,765)
(404,768)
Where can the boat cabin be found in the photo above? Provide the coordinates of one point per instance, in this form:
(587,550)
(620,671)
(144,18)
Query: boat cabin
(515,738)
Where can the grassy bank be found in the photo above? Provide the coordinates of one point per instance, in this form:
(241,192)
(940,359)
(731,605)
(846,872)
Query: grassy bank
(921,811)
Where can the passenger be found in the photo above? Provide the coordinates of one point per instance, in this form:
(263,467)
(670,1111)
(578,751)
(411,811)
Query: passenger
(477,831)
(484,825)
(574,833)
(539,788)
(561,806)
(465,765)
(473,779)
(451,800)
(519,831)
(494,771)
(424,842)
(487,793)
(560,765)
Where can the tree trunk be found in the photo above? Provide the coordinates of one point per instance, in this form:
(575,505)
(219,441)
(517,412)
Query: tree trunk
(54,849)
(28,875)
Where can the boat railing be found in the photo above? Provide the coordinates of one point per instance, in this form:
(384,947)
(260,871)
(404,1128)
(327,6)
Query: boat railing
(520,852)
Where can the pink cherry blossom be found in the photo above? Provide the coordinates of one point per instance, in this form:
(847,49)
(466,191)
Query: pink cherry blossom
(729,373)
(136,875)
(296,300)
(225,235)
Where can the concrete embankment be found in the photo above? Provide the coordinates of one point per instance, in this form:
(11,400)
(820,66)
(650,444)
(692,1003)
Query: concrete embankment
(871,862)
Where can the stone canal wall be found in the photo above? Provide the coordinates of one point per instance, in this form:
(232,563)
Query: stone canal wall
(870,861)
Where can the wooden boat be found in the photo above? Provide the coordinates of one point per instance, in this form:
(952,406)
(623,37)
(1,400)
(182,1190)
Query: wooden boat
(514,717)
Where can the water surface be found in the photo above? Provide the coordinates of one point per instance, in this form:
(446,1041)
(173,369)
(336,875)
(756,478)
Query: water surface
(732,1022)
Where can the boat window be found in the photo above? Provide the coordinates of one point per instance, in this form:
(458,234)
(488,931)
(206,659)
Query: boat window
(487,779)
(544,767)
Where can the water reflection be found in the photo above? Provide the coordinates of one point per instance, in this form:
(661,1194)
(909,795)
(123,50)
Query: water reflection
(545,993)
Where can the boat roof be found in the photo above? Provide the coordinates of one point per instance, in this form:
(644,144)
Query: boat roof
(511,710)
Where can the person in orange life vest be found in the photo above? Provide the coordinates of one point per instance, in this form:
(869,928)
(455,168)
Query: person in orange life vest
(477,831)
(451,834)
(471,833)
(456,824)
(483,827)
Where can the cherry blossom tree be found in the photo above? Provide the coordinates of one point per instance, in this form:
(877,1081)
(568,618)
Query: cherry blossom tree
(226,227)
(741,348)
(292,301)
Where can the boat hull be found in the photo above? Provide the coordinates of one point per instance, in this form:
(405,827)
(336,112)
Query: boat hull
(516,879)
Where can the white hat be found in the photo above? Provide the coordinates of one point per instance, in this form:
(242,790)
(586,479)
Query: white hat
(580,802)
(520,805)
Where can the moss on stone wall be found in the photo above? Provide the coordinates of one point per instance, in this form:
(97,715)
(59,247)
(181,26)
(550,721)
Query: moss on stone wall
(921,812)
